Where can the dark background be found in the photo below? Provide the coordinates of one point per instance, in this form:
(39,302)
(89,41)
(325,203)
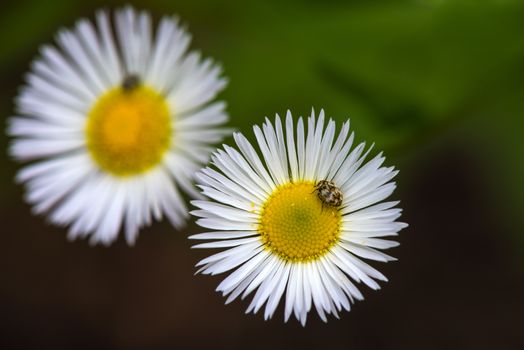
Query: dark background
(438,85)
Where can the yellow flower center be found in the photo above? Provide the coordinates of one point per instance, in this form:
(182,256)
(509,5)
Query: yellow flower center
(296,225)
(128,130)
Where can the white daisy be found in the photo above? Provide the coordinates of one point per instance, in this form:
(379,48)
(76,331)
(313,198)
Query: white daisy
(298,220)
(117,125)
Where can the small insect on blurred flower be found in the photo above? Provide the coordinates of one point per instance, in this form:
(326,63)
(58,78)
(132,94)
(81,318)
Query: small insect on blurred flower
(298,220)
(118,125)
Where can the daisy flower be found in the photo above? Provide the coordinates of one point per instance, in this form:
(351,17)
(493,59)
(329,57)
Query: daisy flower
(298,220)
(115,123)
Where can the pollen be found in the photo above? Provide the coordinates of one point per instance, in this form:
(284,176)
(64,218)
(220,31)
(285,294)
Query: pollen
(128,131)
(295,224)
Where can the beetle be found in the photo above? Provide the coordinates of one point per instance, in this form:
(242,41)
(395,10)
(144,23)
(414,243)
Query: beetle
(130,82)
(329,193)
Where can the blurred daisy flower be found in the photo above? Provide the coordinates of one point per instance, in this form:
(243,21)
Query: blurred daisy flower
(298,220)
(116,125)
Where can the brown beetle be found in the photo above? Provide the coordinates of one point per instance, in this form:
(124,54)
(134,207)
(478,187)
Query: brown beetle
(130,82)
(329,193)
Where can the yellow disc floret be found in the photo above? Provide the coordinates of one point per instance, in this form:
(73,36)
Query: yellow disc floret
(128,130)
(296,225)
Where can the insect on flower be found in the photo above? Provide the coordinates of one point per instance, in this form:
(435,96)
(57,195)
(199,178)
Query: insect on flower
(266,214)
(329,193)
(130,82)
(109,113)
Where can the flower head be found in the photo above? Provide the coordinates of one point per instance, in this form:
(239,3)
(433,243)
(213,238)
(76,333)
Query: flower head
(297,220)
(116,126)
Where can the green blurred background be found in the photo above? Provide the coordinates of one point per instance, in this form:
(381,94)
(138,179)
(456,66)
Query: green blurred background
(438,85)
